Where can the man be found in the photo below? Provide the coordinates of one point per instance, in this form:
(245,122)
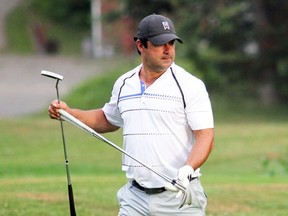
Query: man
(167,122)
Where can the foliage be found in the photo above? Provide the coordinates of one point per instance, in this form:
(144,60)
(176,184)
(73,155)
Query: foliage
(212,42)
(96,91)
(17,32)
(139,8)
(21,33)
(84,96)
(72,13)
(237,41)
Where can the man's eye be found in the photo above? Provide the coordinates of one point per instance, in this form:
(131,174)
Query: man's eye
(171,42)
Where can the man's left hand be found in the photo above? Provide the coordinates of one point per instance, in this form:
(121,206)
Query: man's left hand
(185,174)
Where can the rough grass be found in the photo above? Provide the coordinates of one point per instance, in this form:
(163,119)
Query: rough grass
(237,177)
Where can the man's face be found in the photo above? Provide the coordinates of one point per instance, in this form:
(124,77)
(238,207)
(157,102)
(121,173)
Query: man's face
(158,58)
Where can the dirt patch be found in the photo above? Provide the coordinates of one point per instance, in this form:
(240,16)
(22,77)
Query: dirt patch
(50,197)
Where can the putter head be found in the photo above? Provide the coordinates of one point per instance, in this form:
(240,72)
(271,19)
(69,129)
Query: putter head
(52,75)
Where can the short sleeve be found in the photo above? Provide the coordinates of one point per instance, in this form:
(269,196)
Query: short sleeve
(111,110)
(198,110)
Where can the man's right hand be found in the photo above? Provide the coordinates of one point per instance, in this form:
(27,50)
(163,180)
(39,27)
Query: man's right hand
(55,106)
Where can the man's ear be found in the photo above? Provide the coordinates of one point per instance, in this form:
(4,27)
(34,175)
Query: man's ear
(140,46)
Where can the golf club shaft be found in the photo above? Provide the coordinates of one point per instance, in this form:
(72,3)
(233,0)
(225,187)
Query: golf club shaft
(63,140)
(59,77)
(70,189)
(69,118)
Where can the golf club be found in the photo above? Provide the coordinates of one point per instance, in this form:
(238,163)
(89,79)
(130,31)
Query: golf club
(71,119)
(70,189)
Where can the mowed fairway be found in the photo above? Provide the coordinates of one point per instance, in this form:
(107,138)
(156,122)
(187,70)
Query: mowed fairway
(245,175)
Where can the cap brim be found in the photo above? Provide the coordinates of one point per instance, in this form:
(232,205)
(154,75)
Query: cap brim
(164,38)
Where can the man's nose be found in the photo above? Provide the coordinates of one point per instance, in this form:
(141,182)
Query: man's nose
(167,46)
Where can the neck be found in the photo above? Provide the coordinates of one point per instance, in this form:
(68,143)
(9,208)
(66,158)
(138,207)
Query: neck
(149,77)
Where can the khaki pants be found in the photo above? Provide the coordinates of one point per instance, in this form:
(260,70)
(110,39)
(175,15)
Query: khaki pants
(134,202)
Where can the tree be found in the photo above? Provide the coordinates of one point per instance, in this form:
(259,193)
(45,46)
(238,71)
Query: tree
(71,13)
(137,9)
(271,29)
(234,42)
(239,41)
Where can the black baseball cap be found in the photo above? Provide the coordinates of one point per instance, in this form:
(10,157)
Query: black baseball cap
(157,29)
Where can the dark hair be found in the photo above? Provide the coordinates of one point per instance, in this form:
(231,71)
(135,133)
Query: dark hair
(145,44)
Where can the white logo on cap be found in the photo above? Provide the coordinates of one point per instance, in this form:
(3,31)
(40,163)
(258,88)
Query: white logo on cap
(165,25)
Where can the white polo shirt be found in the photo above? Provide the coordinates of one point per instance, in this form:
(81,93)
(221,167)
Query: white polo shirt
(158,121)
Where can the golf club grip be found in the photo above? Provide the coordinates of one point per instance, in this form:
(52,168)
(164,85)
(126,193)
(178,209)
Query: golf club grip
(71,201)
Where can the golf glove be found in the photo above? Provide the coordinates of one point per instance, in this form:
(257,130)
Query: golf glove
(185,175)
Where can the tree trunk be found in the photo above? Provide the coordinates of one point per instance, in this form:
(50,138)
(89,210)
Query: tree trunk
(266,70)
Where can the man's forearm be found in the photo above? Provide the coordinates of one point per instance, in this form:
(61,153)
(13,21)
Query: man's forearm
(95,119)
(204,142)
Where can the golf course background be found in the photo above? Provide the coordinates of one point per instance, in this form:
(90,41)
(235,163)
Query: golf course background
(246,174)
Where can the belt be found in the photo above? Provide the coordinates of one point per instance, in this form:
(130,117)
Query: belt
(152,190)
(148,190)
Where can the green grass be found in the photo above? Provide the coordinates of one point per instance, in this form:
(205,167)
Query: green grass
(33,178)
(20,37)
(17,32)
(246,174)
(95,92)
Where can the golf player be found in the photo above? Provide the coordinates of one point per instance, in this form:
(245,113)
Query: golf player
(167,122)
